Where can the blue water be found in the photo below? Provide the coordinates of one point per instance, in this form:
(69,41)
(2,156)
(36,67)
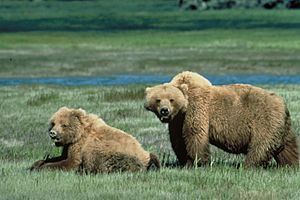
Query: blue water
(149,79)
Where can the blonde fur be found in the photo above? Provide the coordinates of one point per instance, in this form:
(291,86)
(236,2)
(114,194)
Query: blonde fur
(191,79)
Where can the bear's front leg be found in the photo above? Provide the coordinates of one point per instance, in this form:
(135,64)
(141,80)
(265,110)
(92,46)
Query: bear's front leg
(71,159)
(63,156)
(53,163)
(38,164)
(176,138)
(198,150)
(196,133)
(67,164)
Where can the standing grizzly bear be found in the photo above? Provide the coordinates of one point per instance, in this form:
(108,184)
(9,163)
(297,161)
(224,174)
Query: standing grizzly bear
(236,118)
(90,145)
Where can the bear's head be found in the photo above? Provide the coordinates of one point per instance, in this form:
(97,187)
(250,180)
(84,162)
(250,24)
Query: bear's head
(166,101)
(66,126)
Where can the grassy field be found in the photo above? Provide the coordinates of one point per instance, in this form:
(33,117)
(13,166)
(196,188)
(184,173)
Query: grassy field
(149,52)
(25,111)
(95,38)
(210,183)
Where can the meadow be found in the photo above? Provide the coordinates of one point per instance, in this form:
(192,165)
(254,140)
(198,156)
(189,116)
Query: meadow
(25,111)
(98,38)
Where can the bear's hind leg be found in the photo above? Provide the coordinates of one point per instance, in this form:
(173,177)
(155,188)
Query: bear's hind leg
(289,155)
(257,157)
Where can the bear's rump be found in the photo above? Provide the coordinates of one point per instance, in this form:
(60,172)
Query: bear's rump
(125,145)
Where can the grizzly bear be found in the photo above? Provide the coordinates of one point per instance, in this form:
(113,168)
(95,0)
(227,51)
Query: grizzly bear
(240,119)
(90,145)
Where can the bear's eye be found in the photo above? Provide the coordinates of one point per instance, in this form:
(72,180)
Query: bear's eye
(171,100)
(157,100)
(64,125)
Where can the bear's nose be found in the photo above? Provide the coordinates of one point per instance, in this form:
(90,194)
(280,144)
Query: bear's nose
(164,111)
(52,134)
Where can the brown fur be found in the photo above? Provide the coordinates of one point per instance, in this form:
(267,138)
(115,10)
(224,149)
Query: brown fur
(153,163)
(88,141)
(236,118)
(107,162)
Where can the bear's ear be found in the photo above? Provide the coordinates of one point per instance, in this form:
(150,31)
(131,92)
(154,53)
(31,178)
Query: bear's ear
(64,108)
(184,88)
(147,90)
(82,111)
(79,113)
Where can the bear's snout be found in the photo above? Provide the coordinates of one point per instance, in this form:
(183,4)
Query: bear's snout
(164,111)
(52,134)
(56,138)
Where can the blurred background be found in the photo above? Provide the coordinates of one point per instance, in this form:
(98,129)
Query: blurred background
(54,38)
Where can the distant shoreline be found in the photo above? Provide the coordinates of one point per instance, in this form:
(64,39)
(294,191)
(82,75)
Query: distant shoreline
(147,79)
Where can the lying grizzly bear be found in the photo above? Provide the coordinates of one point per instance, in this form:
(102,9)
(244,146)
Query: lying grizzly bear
(90,145)
(236,118)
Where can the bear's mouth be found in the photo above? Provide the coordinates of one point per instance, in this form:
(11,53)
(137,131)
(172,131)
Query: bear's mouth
(58,144)
(165,119)
(56,140)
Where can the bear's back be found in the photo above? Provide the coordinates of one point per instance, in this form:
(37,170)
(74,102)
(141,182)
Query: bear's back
(106,138)
(247,97)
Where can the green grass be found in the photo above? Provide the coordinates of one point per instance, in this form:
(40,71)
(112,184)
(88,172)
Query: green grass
(25,111)
(208,183)
(39,54)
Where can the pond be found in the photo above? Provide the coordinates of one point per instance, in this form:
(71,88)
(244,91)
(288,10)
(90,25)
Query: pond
(149,79)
